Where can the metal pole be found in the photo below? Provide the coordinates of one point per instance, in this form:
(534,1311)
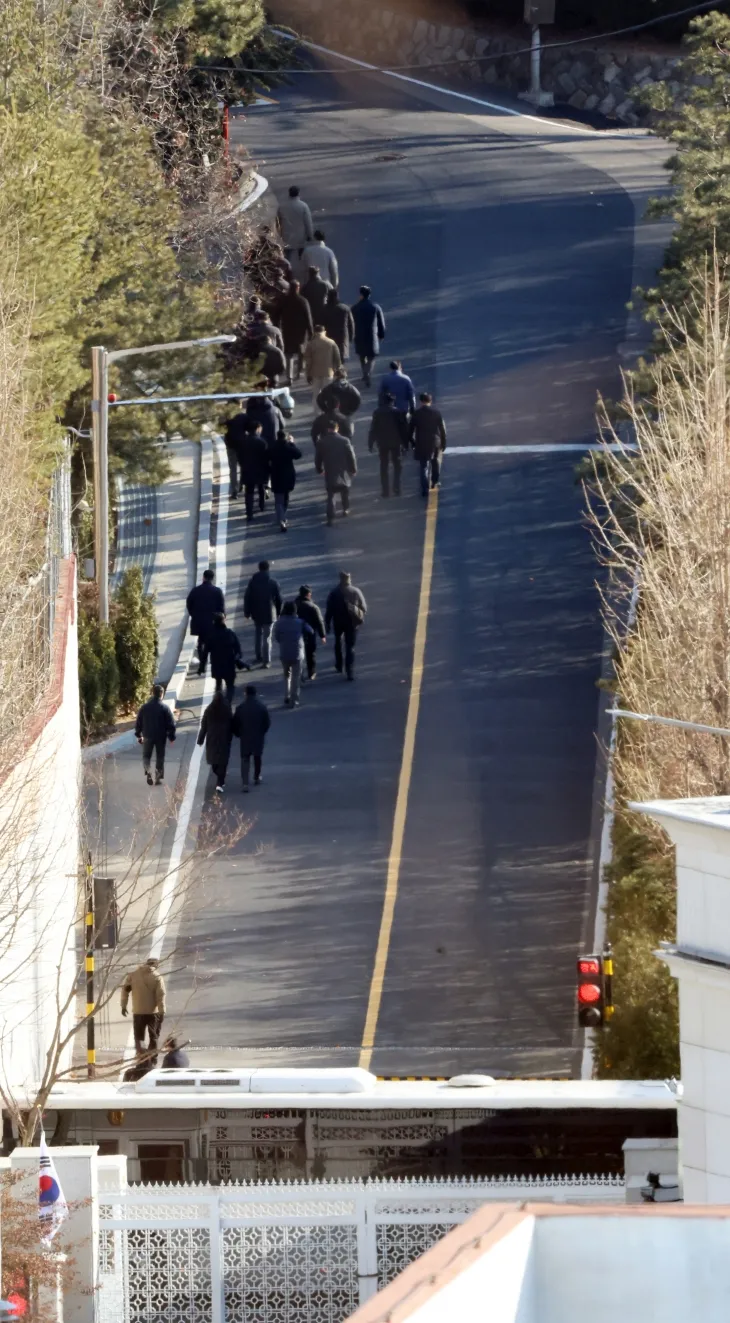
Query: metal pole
(668,721)
(99,433)
(534,93)
(535,63)
(89,945)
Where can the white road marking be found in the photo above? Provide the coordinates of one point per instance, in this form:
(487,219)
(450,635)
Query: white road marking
(447,91)
(537,449)
(182,826)
(193,775)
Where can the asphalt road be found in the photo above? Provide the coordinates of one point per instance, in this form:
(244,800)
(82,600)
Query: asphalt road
(504,268)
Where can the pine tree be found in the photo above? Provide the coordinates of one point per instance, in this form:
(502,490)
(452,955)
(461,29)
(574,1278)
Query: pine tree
(698,124)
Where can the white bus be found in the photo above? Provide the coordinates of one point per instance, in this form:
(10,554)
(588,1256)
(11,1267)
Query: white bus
(277,1124)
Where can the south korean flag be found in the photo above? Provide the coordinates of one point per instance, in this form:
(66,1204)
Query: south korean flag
(52,1207)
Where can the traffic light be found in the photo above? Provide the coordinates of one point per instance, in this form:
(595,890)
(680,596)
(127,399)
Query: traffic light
(595,989)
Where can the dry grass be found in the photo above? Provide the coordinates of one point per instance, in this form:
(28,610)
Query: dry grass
(670,532)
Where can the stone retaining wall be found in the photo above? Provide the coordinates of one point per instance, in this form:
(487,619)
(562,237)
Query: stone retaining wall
(600,78)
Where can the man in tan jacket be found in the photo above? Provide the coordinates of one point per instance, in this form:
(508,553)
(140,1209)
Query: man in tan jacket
(147,987)
(321,360)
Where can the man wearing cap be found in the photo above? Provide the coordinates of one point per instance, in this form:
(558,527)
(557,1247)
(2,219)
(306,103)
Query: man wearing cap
(346,611)
(147,988)
(308,610)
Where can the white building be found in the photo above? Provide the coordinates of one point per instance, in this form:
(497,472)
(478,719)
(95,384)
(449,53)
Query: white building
(700,961)
(39,864)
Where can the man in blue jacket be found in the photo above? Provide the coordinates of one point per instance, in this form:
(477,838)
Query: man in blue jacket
(369,331)
(397,384)
(290,633)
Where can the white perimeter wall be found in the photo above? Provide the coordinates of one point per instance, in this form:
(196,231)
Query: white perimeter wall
(621,1270)
(700,830)
(39,864)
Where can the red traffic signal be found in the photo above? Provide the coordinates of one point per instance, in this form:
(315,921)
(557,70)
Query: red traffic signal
(590,991)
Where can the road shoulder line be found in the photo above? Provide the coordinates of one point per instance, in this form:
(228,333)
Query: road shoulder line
(375,994)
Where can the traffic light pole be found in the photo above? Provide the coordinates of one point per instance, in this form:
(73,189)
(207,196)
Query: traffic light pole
(100,360)
(89,944)
(100,443)
(608,1006)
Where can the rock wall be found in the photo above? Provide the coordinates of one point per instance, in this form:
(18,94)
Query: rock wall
(601,78)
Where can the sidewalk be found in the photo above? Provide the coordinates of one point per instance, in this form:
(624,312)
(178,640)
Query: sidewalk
(175,570)
(131,829)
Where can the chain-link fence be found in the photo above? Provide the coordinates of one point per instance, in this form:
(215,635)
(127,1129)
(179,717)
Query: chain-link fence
(28,598)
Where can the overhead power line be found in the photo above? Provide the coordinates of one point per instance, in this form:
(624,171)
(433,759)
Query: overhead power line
(473,59)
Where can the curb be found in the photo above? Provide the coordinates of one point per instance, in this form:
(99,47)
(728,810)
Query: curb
(202,559)
(260,186)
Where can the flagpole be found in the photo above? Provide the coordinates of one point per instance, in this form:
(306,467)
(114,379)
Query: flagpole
(90,1026)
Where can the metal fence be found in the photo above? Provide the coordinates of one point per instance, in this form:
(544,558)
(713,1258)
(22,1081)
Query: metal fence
(28,607)
(308,1252)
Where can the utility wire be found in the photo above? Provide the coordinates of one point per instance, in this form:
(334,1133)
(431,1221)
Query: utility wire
(473,59)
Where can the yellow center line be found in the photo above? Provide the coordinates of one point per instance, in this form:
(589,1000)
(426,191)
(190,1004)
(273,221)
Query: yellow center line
(404,784)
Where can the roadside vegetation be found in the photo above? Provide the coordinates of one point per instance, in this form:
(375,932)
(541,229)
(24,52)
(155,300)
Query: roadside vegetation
(119,225)
(662,519)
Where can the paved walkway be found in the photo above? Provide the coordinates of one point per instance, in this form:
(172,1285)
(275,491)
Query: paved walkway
(132,829)
(174,570)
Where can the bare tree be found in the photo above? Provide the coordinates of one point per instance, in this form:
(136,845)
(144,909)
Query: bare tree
(662,519)
(30,1269)
(149,901)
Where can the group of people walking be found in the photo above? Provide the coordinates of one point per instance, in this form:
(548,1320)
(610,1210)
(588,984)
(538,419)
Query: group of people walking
(297,627)
(308,329)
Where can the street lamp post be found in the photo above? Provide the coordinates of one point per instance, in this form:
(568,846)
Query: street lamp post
(100,360)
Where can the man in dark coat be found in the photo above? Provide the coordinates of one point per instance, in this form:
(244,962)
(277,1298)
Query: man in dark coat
(261,409)
(369,331)
(388,431)
(308,610)
(251,721)
(346,611)
(262,604)
(215,733)
(175,1058)
(295,319)
(225,655)
(264,328)
(315,291)
(323,420)
(335,458)
(155,725)
(252,458)
(202,603)
(348,396)
(283,475)
(339,324)
(428,438)
(273,364)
